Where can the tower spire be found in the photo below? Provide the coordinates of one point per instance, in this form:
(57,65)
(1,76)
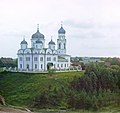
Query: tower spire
(37,27)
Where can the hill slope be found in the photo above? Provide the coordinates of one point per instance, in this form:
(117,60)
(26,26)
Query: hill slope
(22,88)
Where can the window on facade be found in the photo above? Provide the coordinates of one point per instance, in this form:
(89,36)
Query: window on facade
(20,65)
(20,58)
(41,66)
(54,59)
(35,59)
(35,66)
(59,46)
(65,65)
(41,58)
(48,58)
(58,65)
(54,65)
(61,65)
(64,46)
(48,52)
(27,58)
(36,46)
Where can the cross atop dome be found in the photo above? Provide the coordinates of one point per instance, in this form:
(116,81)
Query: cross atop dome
(24,42)
(23,37)
(37,27)
(61,23)
(51,37)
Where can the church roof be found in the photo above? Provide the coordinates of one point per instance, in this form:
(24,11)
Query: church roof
(61,30)
(62,59)
(38,34)
(51,42)
(24,42)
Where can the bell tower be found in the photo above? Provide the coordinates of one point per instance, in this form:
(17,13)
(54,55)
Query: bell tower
(61,41)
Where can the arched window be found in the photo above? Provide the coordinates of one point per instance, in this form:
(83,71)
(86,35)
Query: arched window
(59,46)
(48,52)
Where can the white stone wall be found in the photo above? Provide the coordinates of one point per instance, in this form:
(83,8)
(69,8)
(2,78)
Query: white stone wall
(44,62)
(41,62)
(33,42)
(68,58)
(38,45)
(51,61)
(28,63)
(63,65)
(62,42)
(35,62)
(23,46)
(51,46)
(20,62)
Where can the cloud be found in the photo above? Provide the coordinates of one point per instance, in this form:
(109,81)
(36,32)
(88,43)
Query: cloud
(92,26)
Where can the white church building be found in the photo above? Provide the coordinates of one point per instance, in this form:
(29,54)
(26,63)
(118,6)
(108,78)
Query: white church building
(40,58)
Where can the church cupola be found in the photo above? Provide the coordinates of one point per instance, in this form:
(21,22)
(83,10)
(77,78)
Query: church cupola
(37,36)
(23,44)
(51,44)
(61,30)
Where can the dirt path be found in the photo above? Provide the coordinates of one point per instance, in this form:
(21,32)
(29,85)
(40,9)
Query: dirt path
(12,110)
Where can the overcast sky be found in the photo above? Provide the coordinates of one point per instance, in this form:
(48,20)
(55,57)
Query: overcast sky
(92,26)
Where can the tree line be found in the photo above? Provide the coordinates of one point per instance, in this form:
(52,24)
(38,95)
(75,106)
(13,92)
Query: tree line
(8,62)
(98,87)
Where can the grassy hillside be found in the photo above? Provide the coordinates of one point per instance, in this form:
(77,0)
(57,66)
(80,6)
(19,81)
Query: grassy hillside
(68,90)
(21,88)
(1,69)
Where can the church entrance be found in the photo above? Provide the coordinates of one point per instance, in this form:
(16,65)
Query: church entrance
(49,65)
(27,66)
